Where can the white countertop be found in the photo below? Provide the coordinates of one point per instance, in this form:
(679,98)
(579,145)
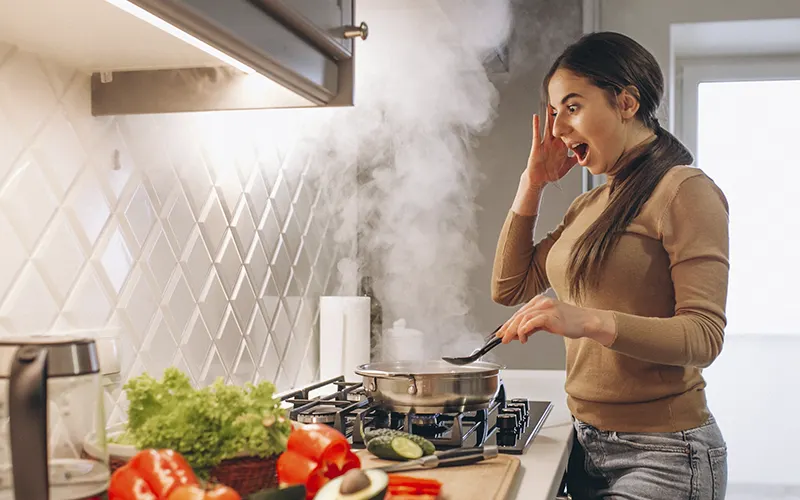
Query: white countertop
(542,466)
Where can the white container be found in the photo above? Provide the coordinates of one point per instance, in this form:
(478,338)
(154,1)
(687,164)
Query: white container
(400,343)
(344,336)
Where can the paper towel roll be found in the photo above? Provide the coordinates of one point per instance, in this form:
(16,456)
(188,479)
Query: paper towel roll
(344,336)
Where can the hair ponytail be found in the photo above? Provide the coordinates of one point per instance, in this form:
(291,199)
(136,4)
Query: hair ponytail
(629,190)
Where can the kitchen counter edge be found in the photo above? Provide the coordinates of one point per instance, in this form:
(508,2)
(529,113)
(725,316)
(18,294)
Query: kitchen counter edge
(542,466)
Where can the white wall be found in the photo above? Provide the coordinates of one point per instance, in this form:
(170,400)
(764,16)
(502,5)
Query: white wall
(753,385)
(542,30)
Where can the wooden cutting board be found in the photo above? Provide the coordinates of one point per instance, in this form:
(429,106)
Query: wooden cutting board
(487,480)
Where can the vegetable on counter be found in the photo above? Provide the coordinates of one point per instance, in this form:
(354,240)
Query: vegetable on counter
(161,475)
(356,484)
(315,454)
(205,425)
(296,492)
(197,493)
(394,448)
(409,486)
(382,444)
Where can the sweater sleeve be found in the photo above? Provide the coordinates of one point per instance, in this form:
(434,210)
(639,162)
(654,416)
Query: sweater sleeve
(694,233)
(519,272)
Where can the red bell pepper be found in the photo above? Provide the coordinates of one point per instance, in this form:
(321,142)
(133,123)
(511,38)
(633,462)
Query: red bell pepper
(151,475)
(198,493)
(315,454)
(401,486)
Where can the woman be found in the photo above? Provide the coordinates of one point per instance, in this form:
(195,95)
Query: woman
(640,269)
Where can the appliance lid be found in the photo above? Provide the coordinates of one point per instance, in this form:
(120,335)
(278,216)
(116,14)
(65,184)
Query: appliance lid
(66,356)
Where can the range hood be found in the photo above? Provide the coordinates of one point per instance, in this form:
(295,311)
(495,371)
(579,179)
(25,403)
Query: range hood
(156,56)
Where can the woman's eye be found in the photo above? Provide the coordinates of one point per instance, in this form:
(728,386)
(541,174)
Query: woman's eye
(573,108)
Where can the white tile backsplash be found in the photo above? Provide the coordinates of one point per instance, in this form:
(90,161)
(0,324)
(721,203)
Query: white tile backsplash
(197,242)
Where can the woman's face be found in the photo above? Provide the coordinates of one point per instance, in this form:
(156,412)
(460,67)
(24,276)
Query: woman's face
(585,120)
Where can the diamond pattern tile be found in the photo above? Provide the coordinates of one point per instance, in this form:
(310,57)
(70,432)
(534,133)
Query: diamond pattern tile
(160,259)
(27,183)
(229,262)
(160,347)
(191,234)
(195,347)
(117,260)
(88,305)
(213,223)
(59,151)
(140,214)
(29,306)
(12,255)
(229,340)
(59,257)
(88,208)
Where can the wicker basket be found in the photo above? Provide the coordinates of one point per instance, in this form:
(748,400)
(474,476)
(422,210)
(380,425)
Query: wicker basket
(246,474)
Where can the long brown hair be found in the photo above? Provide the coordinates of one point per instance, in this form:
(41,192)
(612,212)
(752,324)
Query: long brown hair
(614,62)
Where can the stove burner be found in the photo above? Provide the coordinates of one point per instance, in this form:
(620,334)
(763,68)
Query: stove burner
(323,414)
(357,395)
(425,420)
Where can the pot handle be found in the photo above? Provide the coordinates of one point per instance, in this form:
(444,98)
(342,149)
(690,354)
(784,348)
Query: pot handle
(27,409)
(372,385)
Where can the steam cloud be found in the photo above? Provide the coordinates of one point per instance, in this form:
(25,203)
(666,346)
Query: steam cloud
(422,94)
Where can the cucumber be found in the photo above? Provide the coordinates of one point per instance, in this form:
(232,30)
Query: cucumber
(427,447)
(297,492)
(394,448)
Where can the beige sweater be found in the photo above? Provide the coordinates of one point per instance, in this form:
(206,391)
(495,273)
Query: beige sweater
(666,281)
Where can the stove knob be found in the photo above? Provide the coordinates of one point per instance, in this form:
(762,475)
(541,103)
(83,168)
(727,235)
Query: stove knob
(521,401)
(506,430)
(514,411)
(507,423)
(522,408)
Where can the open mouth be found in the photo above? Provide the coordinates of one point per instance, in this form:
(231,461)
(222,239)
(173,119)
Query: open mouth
(581,150)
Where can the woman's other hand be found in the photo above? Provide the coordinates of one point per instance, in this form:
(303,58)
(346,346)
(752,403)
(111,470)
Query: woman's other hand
(543,313)
(549,160)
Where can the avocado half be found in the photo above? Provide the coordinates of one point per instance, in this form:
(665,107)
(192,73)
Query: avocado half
(356,484)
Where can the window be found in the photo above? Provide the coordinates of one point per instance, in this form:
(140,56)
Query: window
(742,121)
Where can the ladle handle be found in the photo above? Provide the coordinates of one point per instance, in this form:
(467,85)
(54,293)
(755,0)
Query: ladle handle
(491,345)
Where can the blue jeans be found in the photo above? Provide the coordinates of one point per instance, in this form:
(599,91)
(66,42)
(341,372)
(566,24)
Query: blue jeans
(685,465)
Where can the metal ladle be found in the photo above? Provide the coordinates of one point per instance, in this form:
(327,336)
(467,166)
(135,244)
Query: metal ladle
(490,344)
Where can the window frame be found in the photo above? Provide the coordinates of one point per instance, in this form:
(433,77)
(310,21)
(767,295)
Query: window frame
(691,72)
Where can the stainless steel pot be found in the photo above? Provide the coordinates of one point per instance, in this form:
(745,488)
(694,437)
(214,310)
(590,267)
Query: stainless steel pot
(427,387)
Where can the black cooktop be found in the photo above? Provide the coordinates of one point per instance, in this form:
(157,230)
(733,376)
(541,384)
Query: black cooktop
(511,424)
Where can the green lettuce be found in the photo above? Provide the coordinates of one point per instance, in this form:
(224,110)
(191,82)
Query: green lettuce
(205,425)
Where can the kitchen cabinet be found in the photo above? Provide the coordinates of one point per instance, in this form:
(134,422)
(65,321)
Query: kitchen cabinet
(143,62)
(328,16)
(304,45)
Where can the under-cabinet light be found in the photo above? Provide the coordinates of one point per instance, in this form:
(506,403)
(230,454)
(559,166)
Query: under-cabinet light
(176,32)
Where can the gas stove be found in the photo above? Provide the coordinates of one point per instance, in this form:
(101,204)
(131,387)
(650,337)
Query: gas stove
(510,424)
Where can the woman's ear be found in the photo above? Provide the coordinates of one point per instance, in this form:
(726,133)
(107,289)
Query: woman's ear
(628,102)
